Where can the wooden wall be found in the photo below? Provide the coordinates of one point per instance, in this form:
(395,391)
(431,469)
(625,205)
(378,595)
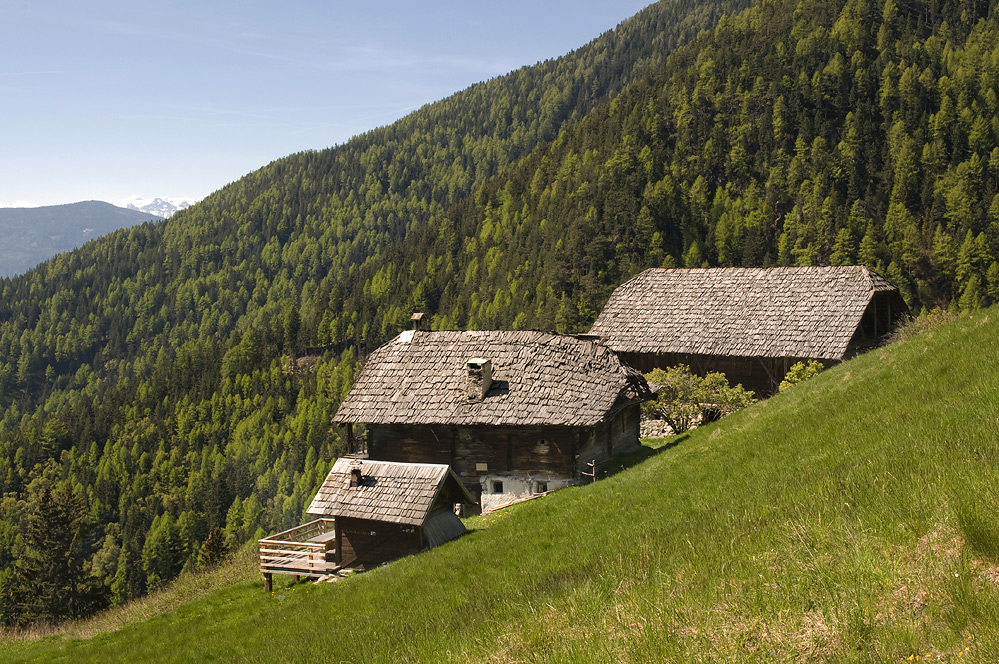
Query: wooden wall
(883,314)
(365,544)
(410,443)
(488,450)
(611,438)
(479,450)
(543,451)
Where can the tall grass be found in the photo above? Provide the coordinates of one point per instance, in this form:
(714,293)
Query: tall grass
(241,567)
(852,518)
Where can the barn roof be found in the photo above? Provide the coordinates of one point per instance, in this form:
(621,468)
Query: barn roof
(389,491)
(798,312)
(538,378)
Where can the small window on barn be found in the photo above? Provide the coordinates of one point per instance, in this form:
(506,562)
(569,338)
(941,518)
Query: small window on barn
(540,487)
(497,486)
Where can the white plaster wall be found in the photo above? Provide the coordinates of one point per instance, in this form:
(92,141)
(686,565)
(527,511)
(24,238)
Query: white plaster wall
(516,488)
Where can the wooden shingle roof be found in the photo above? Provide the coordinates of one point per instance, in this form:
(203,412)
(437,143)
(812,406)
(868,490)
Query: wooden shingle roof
(389,491)
(796,312)
(538,378)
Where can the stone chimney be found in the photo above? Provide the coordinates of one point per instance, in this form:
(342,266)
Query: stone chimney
(479,377)
(417,319)
(355,473)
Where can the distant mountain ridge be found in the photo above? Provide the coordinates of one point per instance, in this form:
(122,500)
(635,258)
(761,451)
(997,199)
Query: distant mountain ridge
(29,236)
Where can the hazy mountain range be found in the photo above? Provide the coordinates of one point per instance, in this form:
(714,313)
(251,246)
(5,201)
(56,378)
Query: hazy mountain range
(29,236)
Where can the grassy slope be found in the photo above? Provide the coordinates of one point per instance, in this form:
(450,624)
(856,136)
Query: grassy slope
(851,519)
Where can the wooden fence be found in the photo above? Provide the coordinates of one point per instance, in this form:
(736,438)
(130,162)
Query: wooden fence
(305,550)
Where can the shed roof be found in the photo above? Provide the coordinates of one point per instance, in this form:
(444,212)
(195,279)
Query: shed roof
(389,491)
(799,312)
(538,378)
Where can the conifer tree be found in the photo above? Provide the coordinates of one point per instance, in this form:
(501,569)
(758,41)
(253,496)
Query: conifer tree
(52,579)
(844,251)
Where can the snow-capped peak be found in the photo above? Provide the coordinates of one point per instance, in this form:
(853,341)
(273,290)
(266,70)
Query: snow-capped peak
(161,207)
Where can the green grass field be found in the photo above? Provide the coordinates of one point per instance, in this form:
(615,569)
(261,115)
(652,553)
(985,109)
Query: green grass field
(853,518)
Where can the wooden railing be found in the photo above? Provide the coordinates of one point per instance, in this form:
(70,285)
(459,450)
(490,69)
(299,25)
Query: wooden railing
(299,550)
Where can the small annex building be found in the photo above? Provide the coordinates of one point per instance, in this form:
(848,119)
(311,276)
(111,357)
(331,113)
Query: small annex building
(514,413)
(368,513)
(384,510)
(751,324)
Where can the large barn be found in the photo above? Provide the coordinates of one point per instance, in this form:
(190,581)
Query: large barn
(751,324)
(513,413)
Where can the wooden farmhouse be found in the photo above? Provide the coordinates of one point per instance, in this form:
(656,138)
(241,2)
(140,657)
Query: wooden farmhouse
(513,413)
(369,512)
(751,324)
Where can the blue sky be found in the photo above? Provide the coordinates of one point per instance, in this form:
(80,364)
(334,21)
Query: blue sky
(106,99)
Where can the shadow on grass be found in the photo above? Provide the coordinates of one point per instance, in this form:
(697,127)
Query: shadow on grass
(643,453)
(655,447)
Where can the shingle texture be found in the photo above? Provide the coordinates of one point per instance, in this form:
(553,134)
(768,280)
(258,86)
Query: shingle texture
(538,378)
(393,492)
(793,312)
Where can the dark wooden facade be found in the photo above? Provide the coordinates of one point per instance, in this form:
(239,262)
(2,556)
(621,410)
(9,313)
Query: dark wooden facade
(366,543)
(477,451)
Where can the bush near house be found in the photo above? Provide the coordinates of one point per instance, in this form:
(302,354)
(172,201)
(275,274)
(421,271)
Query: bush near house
(800,372)
(683,398)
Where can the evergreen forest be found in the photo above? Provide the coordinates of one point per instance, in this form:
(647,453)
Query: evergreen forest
(166,391)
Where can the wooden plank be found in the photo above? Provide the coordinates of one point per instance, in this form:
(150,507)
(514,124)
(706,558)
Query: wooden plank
(294,552)
(301,563)
(267,560)
(295,546)
(318,525)
(295,557)
(325,537)
(302,572)
(265,542)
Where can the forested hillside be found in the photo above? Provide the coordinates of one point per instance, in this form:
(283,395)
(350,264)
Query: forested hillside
(849,519)
(797,133)
(153,414)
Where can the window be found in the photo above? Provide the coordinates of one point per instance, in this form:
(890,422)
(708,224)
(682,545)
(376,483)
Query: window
(540,487)
(497,486)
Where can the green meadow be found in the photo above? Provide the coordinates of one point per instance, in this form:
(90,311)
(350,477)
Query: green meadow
(854,518)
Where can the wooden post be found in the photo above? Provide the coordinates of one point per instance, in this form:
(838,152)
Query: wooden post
(338,554)
(294,578)
(268,585)
(875,301)
(574,454)
(888,302)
